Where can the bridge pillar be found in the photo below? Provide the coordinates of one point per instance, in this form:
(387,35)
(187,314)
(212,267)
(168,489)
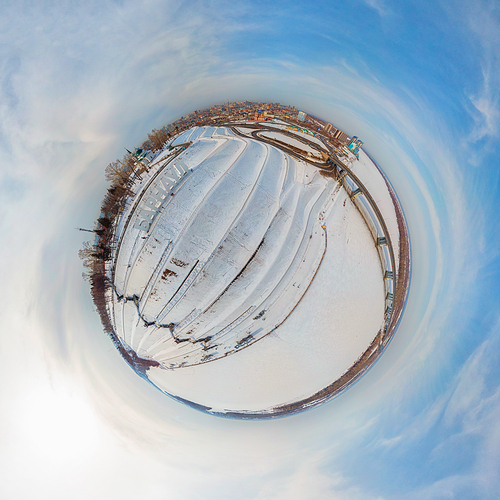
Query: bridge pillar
(356,193)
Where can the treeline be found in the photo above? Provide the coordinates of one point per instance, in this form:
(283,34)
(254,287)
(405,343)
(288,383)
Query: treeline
(97,255)
(121,175)
(157,138)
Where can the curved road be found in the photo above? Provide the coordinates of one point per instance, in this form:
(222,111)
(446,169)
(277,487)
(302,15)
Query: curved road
(255,134)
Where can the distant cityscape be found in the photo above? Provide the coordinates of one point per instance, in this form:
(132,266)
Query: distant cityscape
(220,114)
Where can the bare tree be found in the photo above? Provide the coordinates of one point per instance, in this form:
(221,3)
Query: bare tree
(130,165)
(157,138)
(87,252)
(115,173)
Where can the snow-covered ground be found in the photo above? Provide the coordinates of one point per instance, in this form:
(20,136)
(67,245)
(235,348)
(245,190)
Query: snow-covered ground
(278,125)
(365,169)
(293,142)
(301,135)
(334,323)
(235,253)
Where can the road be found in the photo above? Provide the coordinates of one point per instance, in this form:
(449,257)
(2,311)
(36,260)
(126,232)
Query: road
(323,165)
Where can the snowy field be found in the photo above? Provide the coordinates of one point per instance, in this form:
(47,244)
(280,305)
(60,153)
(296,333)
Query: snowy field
(285,126)
(375,183)
(293,142)
(330,328)
(235,253)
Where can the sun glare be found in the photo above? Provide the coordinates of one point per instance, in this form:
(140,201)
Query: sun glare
(58,426)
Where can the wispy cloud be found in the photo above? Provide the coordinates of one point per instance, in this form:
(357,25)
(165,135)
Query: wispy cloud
(458,433)
(311,478)
(486,113)
(482,23)
(379,6)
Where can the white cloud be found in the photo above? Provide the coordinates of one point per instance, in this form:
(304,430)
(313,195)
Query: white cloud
(486,114)
(379,6)
(312,478)
(482,23)
(461,424)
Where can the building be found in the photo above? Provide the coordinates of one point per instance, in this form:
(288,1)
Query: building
(341,136)
(301,116)
(328,128)
(354,145)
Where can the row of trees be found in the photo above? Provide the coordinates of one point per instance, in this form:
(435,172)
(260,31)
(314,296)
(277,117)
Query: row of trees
(157,139)
(121,175)
(123,172)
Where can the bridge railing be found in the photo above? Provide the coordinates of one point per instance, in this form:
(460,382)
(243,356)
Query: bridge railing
(366,206)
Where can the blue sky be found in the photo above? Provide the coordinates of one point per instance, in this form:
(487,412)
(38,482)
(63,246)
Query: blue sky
(417,81)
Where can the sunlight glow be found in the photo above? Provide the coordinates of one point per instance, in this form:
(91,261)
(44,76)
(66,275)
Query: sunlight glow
(57,426)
